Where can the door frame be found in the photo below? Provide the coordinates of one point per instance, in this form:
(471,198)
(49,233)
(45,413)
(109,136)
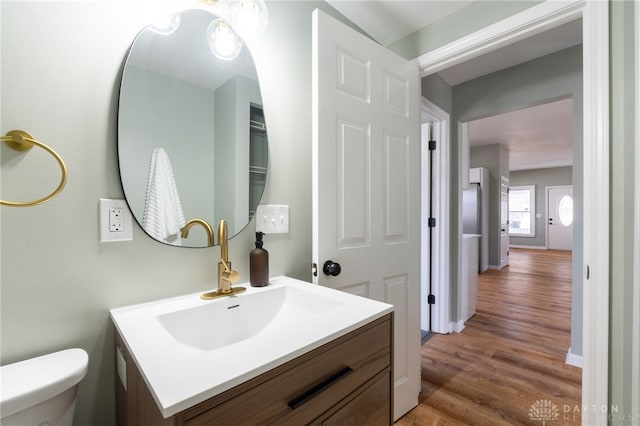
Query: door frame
(635,357)
(440,313)
(546,210)
(595,28)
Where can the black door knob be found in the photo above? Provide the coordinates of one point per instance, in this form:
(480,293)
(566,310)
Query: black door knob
(331,268)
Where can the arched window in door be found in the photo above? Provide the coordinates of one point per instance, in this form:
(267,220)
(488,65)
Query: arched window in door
(565,210)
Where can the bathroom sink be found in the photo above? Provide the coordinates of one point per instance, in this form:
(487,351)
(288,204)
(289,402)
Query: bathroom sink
(189,349)
(227,321)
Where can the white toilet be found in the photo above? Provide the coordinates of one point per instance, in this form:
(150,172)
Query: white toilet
(42,390)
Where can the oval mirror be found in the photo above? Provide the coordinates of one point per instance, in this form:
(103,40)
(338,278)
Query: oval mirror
(192,138)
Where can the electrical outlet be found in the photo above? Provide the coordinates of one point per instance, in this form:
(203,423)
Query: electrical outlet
(115,221)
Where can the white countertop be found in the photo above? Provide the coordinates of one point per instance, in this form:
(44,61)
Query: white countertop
(181,376)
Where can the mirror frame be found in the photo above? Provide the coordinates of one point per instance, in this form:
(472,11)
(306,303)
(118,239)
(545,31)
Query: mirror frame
(135,174)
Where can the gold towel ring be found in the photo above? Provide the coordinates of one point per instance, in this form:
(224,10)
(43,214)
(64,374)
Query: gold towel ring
(23,141)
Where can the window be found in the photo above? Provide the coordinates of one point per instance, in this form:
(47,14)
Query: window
(522,211)
(565,210)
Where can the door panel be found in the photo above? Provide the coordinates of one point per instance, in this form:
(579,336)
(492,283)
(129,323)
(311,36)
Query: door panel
(396,189)
(366,183)
(353,185)
(397,293)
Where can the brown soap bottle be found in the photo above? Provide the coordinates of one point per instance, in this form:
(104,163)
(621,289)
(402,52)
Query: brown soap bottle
(259,264)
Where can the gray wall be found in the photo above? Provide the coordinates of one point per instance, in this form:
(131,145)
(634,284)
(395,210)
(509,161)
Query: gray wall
(438,91)
(182,101)
(60,82)
(624,128)
(541,178)
(495,158)
(233,101)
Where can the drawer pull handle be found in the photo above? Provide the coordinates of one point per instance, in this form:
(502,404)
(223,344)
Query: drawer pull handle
(319,388)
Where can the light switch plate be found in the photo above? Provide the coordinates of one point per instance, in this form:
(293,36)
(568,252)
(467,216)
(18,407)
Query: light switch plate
(115,221)
(272,219)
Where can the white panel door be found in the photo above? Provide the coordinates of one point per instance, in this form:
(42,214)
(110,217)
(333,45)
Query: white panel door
(560,217)
(366,183)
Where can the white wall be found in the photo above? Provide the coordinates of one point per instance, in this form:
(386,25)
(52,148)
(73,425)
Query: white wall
(61,63)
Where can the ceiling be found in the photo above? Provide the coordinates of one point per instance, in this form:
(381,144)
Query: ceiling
(184,54)
(553,40)
(389,20)
(536,137)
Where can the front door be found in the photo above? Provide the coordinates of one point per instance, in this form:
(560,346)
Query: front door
(366,183)
(559,217)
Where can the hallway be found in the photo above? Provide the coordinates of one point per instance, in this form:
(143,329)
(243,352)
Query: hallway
(508,364)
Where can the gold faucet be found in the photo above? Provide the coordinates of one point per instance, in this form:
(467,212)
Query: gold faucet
(226,275)
(205,225)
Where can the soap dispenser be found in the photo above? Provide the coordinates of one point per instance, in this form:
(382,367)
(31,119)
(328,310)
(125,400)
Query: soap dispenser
(259,264)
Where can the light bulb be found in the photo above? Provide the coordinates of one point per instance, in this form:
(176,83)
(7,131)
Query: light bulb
(165,25)
(248,17)
(222,40)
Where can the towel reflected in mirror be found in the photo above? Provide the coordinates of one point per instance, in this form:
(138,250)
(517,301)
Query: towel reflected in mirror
(163,216)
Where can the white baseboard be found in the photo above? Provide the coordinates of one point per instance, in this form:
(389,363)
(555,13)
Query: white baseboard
(458,326)
(527,247)
(573,359)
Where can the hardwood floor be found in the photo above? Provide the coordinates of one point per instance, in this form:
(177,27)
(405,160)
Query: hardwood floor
(510,358)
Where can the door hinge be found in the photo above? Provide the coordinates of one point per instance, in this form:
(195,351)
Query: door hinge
(432,222)
(432,145)
(431,299)
(314,269)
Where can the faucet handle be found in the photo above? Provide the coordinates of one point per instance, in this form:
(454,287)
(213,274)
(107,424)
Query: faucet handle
(225,266)
(231,276)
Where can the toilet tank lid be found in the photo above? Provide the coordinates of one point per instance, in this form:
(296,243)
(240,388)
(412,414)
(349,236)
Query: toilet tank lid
(32,381)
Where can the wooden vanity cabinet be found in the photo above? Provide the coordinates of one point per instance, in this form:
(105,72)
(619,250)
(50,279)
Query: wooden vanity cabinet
(348,381)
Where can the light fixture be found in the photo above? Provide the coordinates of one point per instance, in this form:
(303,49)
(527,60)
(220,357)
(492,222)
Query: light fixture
(166,24)
(248,17)
(222,40)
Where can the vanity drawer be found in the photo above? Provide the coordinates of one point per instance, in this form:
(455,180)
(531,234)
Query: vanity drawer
(300,391)
(369,406)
